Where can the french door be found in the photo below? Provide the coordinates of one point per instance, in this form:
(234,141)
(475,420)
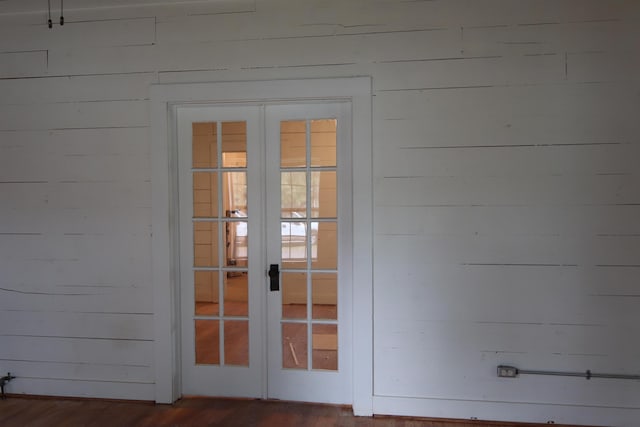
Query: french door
(265,247)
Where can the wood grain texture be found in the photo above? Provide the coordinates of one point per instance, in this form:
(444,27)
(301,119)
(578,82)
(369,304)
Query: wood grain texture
(20,411)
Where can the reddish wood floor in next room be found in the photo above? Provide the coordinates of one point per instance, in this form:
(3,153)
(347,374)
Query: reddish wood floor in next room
(38,412)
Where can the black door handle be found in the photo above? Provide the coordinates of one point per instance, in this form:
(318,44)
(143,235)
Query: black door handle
(274,277)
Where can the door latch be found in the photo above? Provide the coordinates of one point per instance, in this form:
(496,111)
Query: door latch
(274,278)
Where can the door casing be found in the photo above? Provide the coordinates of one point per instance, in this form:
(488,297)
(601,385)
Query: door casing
(165,243)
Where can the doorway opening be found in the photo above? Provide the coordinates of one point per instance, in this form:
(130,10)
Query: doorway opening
(249,185)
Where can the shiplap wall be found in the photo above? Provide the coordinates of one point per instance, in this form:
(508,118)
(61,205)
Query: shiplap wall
(506,189)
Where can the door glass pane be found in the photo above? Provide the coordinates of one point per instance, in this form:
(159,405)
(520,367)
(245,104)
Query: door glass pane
(207,337)
(293,194)
(236,342)
(293,142)
(294,295)
(234,144)
(324,194)
(235,242)
(205,244)
(294,345)
(324,245)
(234,190)
(325,347)
(207,294)
(205,194)
(204,145)
(294,244)
(323,142)
(236,293)
(324,295)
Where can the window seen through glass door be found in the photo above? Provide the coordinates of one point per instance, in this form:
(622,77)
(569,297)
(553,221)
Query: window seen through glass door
(309,249)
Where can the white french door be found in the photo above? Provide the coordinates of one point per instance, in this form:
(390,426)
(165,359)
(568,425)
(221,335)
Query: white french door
(220,240)
(265,251)
(308,214)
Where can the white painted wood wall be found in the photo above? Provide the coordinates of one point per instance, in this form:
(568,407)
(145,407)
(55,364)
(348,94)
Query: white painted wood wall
(506,141)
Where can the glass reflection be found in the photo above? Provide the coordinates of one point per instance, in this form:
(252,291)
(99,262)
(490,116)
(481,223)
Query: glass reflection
(236,342)
(236,293)
(294,244)
(205,244)
(323,195)
(235,242)
(324,245)
(294,346)
(323,142)
(206,293)
(294,295)
(293,194)
(325,347)
(207,342)
(205,194)
(293,141)
(324,296)
(234,144)
(234,190)
(204,149)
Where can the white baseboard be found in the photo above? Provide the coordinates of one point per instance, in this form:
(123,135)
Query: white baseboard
(506,411)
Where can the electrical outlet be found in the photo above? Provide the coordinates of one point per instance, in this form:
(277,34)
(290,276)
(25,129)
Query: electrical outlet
(507,371)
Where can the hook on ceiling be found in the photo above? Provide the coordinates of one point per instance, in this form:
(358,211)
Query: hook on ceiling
(49,21)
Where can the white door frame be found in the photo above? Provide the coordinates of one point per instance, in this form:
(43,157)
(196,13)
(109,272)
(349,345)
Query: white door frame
(165,254)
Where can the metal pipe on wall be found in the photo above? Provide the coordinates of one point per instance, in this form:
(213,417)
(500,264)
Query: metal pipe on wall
(512,372)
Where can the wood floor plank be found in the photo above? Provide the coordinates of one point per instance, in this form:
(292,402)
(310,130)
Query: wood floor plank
(18,411)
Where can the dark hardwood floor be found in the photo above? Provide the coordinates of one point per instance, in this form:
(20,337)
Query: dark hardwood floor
(45,412)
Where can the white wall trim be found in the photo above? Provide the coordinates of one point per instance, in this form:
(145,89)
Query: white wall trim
(509,411)
(163,263)
(164,97)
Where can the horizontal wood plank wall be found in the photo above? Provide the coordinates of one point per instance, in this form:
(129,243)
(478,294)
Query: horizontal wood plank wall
(506,187)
